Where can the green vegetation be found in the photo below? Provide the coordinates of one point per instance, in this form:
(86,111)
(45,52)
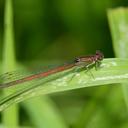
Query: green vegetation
(55,31)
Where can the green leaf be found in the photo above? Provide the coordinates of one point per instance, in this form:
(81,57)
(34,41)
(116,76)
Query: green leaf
(9,63)
(111,71)
(43,113)
(118,20)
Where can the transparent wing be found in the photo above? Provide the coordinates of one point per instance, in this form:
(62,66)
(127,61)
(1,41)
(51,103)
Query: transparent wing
(20,74)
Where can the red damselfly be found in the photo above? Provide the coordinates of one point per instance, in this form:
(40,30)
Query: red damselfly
(83,61)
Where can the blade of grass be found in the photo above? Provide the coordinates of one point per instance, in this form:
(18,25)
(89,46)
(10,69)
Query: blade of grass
(112,71)
(91,107)
(118,21)
(43,113)
(9,116)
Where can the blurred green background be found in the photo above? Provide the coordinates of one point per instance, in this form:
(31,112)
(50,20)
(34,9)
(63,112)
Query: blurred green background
(58,30)
(65,28)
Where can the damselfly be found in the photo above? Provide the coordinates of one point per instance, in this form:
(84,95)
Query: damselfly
(83,61)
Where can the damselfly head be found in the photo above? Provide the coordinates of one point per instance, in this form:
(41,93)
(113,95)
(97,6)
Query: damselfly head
(99,55)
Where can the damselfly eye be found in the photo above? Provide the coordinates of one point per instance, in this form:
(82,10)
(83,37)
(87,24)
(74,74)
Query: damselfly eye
(99,55)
